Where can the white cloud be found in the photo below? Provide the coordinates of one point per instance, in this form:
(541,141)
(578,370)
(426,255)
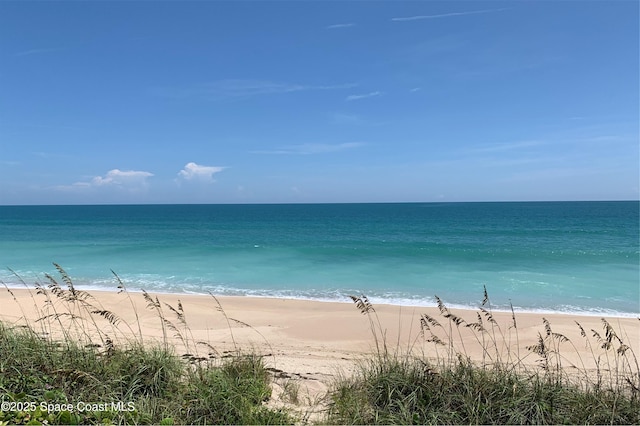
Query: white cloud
(311,148)
(366,95)
(122,178)
(127,179)
(243,88)
(197,172)
(37,51)
(78,186)
(507,146)
(445,15)
(334,26)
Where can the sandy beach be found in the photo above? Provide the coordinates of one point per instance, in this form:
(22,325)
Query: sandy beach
(312,341)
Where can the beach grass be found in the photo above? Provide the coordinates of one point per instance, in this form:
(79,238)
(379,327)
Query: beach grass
(411,391)
(147,385)
(77,352)
(446,387)
(78,363)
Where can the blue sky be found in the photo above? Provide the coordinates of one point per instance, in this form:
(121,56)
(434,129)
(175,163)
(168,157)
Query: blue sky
(333,101)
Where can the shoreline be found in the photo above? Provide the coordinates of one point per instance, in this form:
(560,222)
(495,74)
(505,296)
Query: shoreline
(375,300)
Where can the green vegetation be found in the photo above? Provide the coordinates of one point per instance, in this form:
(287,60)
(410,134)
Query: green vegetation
(153,385)
(77,352)
(409,391)
(131,383)
(392,388)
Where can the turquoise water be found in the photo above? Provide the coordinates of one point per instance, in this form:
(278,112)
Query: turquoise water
(541,256)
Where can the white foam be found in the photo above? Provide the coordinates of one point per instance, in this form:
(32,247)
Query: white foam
(153,284)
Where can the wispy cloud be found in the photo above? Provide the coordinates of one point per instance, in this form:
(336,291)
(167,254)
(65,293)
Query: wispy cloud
(311,148)
(507,146)
(37,51)
(363,96)
(119,177)
(445,15)
(126,179)
(605,139)
(335,26)
(197,172)
(240,88)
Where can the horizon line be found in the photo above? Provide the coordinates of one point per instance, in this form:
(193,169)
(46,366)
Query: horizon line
(322,203)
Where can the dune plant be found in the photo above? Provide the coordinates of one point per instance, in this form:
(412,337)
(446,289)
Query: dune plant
(77,351)
(504,387)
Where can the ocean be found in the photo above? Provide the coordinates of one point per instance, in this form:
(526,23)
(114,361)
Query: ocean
(572,257)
